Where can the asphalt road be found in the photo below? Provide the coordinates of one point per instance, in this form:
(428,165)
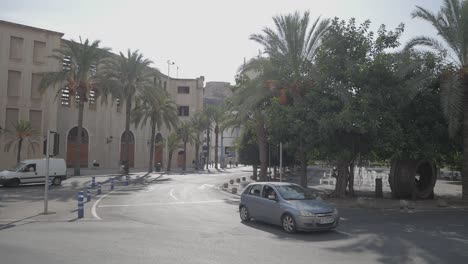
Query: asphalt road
(187,219)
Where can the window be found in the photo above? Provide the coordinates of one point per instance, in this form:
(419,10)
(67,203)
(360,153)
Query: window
(35,81)
(92,99)
(65,100)
(14,80)
(183,89)
(35,117)
(267,190)
(256,190)
(165,85)
(183,111)
(11,119)
(39,52)
(16,48)
(119,106)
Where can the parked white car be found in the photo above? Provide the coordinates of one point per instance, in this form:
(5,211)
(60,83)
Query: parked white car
(34,171)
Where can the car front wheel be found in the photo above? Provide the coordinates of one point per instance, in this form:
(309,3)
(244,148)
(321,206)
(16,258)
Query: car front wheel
(288,223)
(57,181)
(244,214)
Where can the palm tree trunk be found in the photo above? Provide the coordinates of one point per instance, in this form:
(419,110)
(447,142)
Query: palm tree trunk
(216,145)
(128,108)
(169,161)
(197,153)
(207,147)
(351,179)
(78,136)
(153,134)
(303,164)
(184,166)
(254,175)
(18,154)
(465,152)
(262,148)
(341,178)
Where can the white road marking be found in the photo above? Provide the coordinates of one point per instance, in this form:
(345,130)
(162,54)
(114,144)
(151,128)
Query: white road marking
(171,193)
(93,209)
(171,203)
(206,185)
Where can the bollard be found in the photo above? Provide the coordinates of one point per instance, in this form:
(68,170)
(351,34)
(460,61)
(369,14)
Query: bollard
(80,205)
(88,195)
(99,188)
(112,184)
(126,180)
(93,182)
(378,188)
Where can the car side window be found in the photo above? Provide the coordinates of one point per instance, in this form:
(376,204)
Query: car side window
(256,190)
(267,190)
(247,190)
(30,168)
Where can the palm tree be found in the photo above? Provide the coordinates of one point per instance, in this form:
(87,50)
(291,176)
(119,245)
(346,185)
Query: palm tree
(217,116)
(173,143)
(199,124)
(22,133)
(80,61)
(123,77)
(187,135)
(291,47)
(155,106)
(450,24)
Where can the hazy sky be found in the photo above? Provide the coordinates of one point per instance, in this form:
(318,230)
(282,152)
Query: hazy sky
(203,37)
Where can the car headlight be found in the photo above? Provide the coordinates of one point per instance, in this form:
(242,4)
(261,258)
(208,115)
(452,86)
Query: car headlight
(335,211)
(307,213)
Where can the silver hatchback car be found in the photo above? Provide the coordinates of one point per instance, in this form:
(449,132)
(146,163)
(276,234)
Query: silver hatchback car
(288,205)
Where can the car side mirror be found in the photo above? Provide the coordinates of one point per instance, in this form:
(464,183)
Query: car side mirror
(271,197)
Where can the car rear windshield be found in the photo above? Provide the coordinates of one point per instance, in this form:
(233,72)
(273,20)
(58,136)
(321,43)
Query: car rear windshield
(295,192)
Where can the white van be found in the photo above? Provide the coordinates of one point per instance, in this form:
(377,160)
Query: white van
(34,171)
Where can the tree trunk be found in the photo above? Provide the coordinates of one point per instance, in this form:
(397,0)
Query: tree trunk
(207,147)
(303,165)
(262,149)
(197,154)
(18,154)
(341,179)
(216,145)
(465,151)
(153,134)
(351,179)
(169,161)
(128,109)
(78,136)
(184,166)
(254,176)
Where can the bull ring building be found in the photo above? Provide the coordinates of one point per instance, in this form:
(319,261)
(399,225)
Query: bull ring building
(24,55)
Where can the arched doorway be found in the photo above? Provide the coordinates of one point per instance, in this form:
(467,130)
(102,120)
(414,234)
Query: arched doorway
(131,148)
(158,149)
(180,159)
(72,144)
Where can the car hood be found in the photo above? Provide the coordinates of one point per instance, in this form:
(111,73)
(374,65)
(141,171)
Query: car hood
(314,206)
(7,173)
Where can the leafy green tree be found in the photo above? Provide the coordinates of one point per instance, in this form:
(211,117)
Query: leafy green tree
(451,24)
(123,77)
(173,143)
(247,148)
(80,61)
(186,134)
(22,133)
(155,106)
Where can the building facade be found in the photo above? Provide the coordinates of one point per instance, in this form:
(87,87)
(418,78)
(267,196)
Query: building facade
(24,55)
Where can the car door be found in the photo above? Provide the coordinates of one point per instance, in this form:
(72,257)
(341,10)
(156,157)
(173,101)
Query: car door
(270,209)
(254,200)
(29,174)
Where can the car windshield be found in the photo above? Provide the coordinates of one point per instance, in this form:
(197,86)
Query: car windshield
(18,167)
(295,192)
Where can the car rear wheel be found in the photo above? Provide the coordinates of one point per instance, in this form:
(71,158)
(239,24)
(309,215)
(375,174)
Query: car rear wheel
(14,183)
(244,214)
(57,181)
(288,223)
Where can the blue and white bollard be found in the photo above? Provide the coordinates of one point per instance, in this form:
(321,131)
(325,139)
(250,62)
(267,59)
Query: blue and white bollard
(99,188)
(88,195)
(93,182)
(80,205)
(126,180)
(112,184)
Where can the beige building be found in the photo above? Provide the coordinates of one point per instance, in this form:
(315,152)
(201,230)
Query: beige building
(24,55)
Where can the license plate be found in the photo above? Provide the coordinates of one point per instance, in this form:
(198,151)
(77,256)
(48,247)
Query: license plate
(326,220)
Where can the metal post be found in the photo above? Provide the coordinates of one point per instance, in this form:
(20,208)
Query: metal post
(126,180)
(281,162)
(93,182)
(46,183)
(88,195)
(99,190)
(112,184)
(80,205)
